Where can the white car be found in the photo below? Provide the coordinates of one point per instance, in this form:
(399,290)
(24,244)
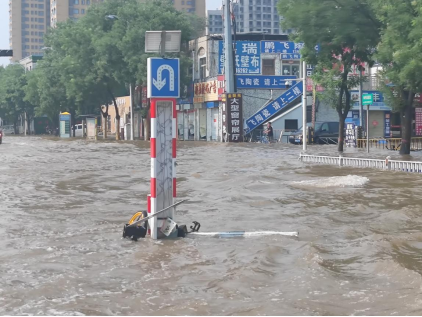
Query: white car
(79,130)
(8,129)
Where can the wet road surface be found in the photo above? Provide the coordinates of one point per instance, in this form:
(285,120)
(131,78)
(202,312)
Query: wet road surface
(63,204)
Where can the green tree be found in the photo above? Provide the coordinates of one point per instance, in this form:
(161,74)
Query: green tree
(400,53)
(97,58)
(12,95)
(345,32)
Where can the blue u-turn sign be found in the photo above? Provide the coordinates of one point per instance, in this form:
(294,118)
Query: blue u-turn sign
(163,78)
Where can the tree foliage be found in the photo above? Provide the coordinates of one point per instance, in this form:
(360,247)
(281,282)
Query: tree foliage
(92,61)
(345,32)
(400,53)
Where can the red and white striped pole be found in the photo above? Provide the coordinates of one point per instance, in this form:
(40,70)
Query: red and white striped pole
(173,143)
(163,190)
(153,143)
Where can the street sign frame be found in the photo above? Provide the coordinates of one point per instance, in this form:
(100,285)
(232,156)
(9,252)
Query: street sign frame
(163,77)
(369,99)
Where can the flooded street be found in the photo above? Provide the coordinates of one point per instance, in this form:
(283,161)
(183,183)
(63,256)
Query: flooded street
(63,204)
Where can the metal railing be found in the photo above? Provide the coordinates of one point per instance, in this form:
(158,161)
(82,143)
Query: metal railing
(390,144)
(385,164)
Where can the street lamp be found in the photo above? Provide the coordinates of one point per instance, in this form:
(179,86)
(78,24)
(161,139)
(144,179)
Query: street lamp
(132,128)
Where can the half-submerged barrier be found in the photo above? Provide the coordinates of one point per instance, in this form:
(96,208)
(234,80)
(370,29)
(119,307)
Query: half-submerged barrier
(385,164)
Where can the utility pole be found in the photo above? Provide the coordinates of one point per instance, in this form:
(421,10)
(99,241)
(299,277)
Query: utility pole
(228,49)
(360,100)
(132,128)
(304,127)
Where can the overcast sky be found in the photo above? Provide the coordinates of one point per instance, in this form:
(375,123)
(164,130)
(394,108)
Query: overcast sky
(4,24)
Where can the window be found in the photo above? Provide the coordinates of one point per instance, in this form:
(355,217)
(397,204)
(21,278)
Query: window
(75,11)
(83,11)
(290,69)
(83,2)
(203,67)
(75,1)
(88,2)
(268,67)
(290,125)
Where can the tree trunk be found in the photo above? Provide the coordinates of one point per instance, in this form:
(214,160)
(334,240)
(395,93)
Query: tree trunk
(116,109)
(340,145)
(28,124)
(407,123)
(104,121)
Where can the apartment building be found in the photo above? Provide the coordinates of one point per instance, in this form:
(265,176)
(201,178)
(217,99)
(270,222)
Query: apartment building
(196,7)
(62,10)
(214,22)
(28,22)
(251,16)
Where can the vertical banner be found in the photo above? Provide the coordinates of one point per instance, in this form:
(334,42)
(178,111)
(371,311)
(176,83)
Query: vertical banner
(350,136)
(418,121)
(233,118)
(387,124)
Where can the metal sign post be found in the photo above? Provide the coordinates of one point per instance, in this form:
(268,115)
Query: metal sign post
(367,99)
(163,88)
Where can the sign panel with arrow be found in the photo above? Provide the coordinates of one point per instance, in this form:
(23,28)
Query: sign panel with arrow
(163,78)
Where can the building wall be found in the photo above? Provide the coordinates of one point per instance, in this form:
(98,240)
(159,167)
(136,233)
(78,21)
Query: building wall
(214,23)
(258,16)
(28,21)
(123,103)
(62,10)
(192,6)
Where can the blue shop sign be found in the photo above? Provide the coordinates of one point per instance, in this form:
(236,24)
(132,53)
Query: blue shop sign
(247,57)
(281,47)
(274,107)
(264,82)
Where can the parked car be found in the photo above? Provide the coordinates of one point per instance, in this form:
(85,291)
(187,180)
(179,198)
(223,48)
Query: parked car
(324,133)
(78,130)
(8,129)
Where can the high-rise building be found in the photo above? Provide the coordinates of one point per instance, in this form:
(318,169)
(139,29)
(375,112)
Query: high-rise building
(214,22)
(62,10)
(251,16)
(192,6)
(28,22)
(258,16)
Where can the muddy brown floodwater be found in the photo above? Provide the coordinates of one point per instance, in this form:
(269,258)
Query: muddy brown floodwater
(63,205)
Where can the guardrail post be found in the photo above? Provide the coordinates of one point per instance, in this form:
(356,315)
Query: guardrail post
(340,160)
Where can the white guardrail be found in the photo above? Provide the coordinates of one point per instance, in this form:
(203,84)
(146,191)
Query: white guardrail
(386,164)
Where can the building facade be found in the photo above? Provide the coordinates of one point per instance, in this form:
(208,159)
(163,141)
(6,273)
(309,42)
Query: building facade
(251,16)
(62,10)
(196,7)
(214,22)
(28,22)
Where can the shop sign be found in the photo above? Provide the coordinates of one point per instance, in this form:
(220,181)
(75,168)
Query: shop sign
(350,135)
(387,124)
(247,57)
(221,85)
(206,91)
(264,82)
(233,118)
(418,121)
(274,107)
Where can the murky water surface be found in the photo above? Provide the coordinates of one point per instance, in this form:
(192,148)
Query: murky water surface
(63,205)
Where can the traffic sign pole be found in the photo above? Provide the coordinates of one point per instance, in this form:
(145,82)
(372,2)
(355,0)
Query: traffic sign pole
(367,99)
(163,89)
